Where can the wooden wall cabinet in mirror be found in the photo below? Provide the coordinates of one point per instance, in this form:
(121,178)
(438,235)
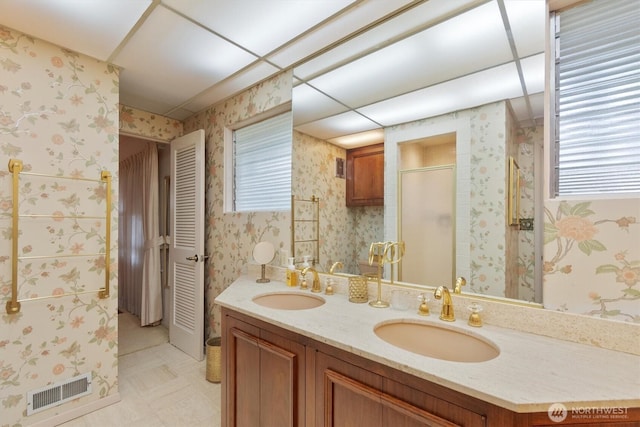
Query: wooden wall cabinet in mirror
(365,176)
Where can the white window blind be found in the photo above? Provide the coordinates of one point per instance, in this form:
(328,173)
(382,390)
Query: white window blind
(262,165)
(598,98)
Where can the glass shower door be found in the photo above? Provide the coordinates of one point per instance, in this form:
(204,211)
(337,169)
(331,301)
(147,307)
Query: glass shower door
(427,225)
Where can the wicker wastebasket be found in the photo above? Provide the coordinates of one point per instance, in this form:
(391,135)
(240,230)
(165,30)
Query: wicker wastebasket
(213,360)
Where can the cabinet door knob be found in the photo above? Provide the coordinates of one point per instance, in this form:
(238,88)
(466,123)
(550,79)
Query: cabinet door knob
(193,258)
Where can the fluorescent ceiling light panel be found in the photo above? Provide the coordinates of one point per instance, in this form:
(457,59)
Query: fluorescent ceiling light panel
(359,139)
(527,20)
(248,77)
(198,58)
(94,28)
(467,43)
(533,72)
(259,25)
(340,125)
(331,32)
(310,105)
(466,92)
(405,23)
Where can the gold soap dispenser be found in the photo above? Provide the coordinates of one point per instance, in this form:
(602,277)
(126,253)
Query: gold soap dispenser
(292,274)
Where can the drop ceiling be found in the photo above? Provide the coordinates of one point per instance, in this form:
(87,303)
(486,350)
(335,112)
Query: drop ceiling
(358,65)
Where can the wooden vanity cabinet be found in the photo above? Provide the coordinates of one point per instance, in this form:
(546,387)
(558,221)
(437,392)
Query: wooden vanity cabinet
(262,377)
(365,176)
(349,395)
(274,377)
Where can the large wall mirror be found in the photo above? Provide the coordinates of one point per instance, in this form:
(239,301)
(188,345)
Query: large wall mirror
(463,79)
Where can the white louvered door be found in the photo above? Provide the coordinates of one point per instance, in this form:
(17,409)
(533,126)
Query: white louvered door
(187,257)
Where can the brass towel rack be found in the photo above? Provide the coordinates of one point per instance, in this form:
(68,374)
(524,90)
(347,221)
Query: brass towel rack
(15,167)
(312,221)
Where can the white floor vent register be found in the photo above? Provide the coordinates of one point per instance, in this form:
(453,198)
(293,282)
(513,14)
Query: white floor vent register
(58,393)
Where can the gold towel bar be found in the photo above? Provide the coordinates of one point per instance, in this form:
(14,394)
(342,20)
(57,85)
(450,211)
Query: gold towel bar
(15,167)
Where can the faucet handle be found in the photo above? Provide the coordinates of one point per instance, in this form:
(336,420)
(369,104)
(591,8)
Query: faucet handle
(328,290)
(474,317)
(423,309)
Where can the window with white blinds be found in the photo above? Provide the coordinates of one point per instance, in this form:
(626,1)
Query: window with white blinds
(262,165)
(597,108)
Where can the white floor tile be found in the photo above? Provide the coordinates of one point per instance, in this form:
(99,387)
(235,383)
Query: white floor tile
(159,386)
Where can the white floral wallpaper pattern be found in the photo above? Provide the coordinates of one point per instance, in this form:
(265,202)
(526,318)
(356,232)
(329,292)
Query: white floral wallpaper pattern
(592,257)
(345,233)
(230,237)
(59,115)
(527,141)
(148,125)
(59,112)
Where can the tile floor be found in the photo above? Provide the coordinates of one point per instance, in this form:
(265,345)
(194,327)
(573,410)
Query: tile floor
(159,387)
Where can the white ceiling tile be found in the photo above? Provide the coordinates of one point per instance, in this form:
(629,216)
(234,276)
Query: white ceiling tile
(492,85)
(260,26)
(446,51)
(537,105)
(331,32)
(94,28)
(519,108)
(310,105)
(141,100)
(533,72)
(343,124)
(181,114)
(527,20)
(420,16)
(176,60)
(248,77)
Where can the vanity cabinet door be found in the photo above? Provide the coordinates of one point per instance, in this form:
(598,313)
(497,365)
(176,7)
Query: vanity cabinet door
(263,384)
(347,395)
(365,176)
(415,404)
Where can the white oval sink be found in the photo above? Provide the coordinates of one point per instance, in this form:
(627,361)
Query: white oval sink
(439,342)
(289,300)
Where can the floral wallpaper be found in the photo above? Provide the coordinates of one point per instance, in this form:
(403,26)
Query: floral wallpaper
(528,141)
(230,237)
(345,233)
(141,123)
(59,115)
(482,188)
(592,258)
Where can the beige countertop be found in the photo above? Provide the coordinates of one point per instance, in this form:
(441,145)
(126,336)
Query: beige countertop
(530,373)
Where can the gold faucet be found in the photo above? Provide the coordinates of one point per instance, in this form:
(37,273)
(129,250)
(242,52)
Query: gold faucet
(460,282)
(442,292)
(316,279)
(335,265)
